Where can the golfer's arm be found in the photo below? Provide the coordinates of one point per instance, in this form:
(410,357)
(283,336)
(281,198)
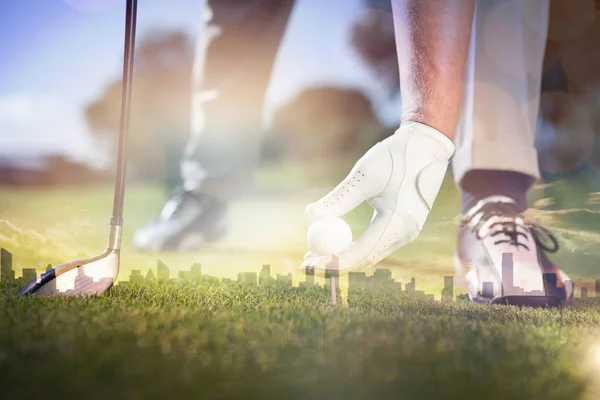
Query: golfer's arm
(432,39)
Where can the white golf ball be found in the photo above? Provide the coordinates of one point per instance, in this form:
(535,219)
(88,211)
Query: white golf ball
(328,235)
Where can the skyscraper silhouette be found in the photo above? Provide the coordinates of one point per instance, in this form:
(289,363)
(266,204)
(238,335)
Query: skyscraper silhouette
(508,287)
(196,272)
(488,289)
(410,287)
(264,278)
(448,292)
(309,277)
(382,277)
(162,271)
(29,274)
(6,269)
(250,278)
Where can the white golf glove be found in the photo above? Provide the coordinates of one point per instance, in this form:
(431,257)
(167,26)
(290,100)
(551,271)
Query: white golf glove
(400,178)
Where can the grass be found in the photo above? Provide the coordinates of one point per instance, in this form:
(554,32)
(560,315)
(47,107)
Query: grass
(210,340)
(218,340)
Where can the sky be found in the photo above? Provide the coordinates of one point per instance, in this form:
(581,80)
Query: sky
(58,55)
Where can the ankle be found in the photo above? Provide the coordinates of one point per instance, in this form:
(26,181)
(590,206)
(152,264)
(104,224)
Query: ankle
(476,185)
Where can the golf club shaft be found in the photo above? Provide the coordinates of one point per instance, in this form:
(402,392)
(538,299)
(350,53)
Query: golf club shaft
(128,56)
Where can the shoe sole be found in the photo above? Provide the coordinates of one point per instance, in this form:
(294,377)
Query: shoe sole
(528,301)
(194,241)
(194,236)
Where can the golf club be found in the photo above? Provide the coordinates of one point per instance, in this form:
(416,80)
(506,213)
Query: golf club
(97,274)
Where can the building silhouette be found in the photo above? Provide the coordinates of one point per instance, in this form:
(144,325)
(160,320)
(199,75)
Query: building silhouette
(28,274)
(508,288)
(448,291)
(397,286)
(550,281)
(487,289)
(184,276)
(150,276)
(285,280)
(6,269)
(382,277)
(136,276)
(264,278)
(309,277)
(380,281)
(162,271)
(247,278)
(196,272)
(410,287)
(357,280)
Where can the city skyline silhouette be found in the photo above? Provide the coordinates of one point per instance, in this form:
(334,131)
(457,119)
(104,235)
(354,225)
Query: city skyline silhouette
(381,278)
(550,281)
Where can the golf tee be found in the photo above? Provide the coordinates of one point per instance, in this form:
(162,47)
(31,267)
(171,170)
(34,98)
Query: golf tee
(333,284)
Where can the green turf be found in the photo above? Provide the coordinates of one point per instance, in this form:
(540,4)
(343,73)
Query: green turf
(209,340)
(229,341)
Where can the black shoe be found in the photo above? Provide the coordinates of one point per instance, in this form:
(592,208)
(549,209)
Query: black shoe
(186,221)
(503,259)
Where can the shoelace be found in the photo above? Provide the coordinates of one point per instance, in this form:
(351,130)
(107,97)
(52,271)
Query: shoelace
(511,228)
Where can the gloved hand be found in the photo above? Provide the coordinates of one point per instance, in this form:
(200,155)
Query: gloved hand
(400,178)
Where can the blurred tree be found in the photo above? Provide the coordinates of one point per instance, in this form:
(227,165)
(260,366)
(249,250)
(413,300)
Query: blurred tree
(372,36)
(578,50)
(325,122)
(581,55)
(160,107)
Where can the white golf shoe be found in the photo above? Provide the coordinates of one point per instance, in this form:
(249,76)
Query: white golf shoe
(503,260)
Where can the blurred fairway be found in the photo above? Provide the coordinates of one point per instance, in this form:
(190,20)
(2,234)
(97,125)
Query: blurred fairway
(268,226)
(227,341)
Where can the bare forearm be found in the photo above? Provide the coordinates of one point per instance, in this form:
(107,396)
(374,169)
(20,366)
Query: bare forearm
(432,37)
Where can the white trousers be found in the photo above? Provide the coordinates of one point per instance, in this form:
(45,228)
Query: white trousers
(502,88)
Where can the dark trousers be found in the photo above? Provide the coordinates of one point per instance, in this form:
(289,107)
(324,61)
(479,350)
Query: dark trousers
(237,45)
(236,50)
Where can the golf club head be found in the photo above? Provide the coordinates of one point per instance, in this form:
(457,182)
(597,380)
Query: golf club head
(89,276)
